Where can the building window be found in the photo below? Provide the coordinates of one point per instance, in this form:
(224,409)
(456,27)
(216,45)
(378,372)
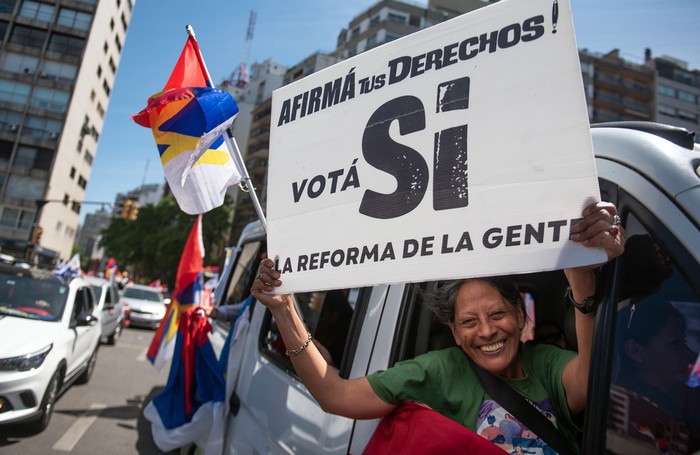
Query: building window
(19,64)
(105,48)
(92,95)
(414,21)
(4,25)
(82,182)
(42,128)
(5,152)
(118,42)
(99,70)
(9,120)
(88,158)
(74,19)
(105,86)
(374,20)
(111,24)
(667,110)
(33,158)
(112,66)
(9,217)
(372,41)
(26,188)
(14,92)
(36,10)
(59,71)
(53,100)
(686,96)
(125,25)
(397,18)
(68,45)
(7,6)
(72,172)
(100,110)
(687,116)
(667,91)
(28,36)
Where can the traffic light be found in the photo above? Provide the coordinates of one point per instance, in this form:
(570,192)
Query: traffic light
(130,210)
(125,209)
(36,235)
(133,211)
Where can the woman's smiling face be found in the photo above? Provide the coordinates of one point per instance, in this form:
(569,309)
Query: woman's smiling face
(488,328)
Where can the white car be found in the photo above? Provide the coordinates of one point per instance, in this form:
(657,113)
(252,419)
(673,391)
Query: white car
(143,305)
(49,335)
(110,308)
(652,173)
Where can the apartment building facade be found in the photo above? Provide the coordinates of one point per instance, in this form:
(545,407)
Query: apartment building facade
(58,63)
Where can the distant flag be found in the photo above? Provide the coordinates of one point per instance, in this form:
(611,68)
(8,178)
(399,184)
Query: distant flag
(188,119)
(70,268)
(155,284)
(111,270)
(188,286)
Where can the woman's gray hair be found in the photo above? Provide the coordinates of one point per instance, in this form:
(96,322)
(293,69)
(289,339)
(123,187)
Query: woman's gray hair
(442,298)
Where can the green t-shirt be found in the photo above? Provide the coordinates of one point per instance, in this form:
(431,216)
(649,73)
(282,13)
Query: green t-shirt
(445,381)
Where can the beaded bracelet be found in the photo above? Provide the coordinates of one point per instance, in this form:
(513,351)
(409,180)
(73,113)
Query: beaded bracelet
(300,349)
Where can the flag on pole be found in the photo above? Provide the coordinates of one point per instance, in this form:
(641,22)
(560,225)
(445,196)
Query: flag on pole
(111,270)
(188,286)
(69,269)
(191,408)
(188,119)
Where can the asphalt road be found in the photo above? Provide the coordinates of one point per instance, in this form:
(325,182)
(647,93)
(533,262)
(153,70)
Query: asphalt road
(105,416)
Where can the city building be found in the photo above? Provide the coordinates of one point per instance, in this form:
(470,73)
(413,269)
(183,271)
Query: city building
(256,152)
(388,20)
(90,231)
(58,63)
(617,89)
(677,93)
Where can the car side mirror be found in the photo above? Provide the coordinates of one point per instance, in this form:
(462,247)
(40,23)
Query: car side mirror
(85,319)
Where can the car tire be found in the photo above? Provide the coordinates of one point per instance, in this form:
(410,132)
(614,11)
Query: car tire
(47,404)
(112,339)
(84,378)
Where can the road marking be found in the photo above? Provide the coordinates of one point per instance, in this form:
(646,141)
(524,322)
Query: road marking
(142,356)
(71,437)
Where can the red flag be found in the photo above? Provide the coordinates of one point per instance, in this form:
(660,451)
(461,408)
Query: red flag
(187,292)
(417,429)
(189,70)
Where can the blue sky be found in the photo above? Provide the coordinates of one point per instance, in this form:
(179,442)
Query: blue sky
(290,30)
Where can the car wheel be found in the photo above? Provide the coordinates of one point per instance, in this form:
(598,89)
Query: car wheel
(89,368)
(47,404)
(115,335)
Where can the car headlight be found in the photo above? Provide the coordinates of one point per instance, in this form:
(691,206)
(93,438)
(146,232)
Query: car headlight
(25,362)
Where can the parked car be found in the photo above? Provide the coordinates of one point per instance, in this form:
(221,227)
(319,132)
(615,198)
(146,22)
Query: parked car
(49,336)
(110,308)
(650,171)
(143,305)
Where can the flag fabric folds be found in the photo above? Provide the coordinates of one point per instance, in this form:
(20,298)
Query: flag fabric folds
(191,407)
(188,286)
(416,428)
(70,268)
(111,270)
(188,119)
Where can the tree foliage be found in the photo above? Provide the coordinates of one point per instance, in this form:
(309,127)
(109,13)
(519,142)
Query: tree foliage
(151,245)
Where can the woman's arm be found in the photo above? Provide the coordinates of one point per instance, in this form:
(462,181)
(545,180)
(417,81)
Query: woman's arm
(594,230)
(353,398)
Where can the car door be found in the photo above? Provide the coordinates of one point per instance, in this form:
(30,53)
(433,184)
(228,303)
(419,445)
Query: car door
(272,411)
(83,337)
(644,392)
(110,310)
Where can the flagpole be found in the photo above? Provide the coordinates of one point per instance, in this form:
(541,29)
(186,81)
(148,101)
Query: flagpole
(232,145)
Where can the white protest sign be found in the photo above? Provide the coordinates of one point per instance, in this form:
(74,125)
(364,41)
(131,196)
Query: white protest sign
(460,150)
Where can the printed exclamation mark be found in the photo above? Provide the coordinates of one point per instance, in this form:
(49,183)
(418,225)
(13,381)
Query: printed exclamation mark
(555,15)
(450,180)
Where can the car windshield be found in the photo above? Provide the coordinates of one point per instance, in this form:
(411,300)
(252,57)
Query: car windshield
(26,296)
(141,294)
